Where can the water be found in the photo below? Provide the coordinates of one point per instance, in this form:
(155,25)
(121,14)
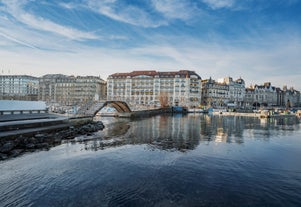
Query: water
(193,160)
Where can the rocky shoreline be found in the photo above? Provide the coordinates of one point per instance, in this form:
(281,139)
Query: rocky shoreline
(20,144)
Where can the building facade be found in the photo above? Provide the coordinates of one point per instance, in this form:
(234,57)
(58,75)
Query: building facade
(71,90)
(19,87)
(152,88)
(262,96)
(291,97)
(214,94)
(223,93)
(267,95)
(236,92)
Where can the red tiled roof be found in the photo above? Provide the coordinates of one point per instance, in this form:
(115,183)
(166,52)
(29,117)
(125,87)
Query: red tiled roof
(154,73)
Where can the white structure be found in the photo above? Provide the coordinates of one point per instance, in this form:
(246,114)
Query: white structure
(20,107)
(19,87)
(152,88)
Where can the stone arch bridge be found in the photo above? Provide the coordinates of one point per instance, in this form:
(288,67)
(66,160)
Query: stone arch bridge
(93,108)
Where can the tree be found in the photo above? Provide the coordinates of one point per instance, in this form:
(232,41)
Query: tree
(163,97)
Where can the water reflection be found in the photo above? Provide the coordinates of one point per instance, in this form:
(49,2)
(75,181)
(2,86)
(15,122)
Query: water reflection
(231,129)
(184,133)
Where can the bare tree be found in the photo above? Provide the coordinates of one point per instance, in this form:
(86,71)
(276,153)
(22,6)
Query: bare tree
(163,97)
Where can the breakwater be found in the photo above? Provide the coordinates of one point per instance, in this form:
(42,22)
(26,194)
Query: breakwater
(145,113)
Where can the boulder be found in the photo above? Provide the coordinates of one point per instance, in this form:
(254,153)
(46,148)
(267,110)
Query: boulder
(7,147)
(16,152)
(3,156)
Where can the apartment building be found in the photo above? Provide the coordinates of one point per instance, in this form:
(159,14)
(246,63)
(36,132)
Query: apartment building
(71,90)
(19,87)
(224,92)
(267,95)
(291,97)
(215,94)
(236,92)
(153,88)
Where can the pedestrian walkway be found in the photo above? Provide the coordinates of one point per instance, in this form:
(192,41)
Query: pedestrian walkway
(12,125)
(18,117)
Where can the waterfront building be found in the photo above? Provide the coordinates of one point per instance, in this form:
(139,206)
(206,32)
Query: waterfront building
(236,91)
(262,95)
(291,97)
(214,93)
(19,87)
(223,93)
(267,95)
(71,90)
(153,88)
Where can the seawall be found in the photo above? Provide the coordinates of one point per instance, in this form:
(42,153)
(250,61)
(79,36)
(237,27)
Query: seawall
(145,113)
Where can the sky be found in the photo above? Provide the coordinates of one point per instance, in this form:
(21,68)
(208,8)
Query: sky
(257,40)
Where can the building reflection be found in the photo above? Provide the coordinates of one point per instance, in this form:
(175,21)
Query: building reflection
(231,129)
(182,133)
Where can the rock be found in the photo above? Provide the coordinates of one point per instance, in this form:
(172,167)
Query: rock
(3,156)
(32,140)
(40,136)
(57,140)
(16,152)
(7,147)
(30,146)
(43,146)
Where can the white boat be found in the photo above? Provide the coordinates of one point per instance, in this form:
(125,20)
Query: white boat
(195,110)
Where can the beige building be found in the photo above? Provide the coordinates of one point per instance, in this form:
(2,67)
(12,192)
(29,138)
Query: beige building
(223,93)
(71,90)
(152,88)
(236,92)
(215,94)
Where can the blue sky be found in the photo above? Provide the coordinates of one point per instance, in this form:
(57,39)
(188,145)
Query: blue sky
(258,40)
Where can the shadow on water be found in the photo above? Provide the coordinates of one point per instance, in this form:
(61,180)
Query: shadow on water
(185,132)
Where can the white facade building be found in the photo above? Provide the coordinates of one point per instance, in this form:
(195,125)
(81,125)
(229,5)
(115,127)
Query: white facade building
(152,88)
(19,87)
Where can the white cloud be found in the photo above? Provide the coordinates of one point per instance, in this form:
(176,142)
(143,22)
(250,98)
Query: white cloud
(124,13)
(278,64)
(17,41)
(15,9)
(217,4)
(175,9)
(46,25)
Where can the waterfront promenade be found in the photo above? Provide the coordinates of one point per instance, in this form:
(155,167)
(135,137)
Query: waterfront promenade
(22,124)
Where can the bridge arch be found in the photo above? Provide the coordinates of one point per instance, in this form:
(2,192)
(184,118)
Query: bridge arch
(120,106)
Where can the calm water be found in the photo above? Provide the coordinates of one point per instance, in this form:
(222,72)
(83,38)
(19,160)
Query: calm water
(164,161)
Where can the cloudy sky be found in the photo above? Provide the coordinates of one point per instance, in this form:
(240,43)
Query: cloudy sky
(258,40)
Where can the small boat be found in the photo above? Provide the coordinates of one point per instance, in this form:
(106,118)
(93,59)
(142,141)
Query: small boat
(195,110)
(179,109)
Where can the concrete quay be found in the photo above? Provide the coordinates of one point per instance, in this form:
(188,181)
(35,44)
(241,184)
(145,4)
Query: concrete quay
(258,115)
(25,124)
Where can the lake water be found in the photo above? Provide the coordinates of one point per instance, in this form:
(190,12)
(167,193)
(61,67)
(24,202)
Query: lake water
(193,160)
